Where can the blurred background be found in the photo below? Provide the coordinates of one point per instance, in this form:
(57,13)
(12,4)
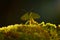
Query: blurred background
(12,10)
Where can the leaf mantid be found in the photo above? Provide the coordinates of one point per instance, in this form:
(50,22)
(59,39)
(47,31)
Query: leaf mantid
(30,16)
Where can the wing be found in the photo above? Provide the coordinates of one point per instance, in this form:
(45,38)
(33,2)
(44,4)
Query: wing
(25,16)
(34,15)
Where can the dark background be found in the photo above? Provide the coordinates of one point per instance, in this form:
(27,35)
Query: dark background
(12,10)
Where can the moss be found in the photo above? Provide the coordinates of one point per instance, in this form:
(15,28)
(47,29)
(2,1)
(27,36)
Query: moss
(29,32)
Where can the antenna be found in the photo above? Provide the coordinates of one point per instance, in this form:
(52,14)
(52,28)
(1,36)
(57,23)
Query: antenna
(30,11)
(24,10)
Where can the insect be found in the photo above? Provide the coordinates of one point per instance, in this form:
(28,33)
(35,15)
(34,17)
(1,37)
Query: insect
(30,16)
